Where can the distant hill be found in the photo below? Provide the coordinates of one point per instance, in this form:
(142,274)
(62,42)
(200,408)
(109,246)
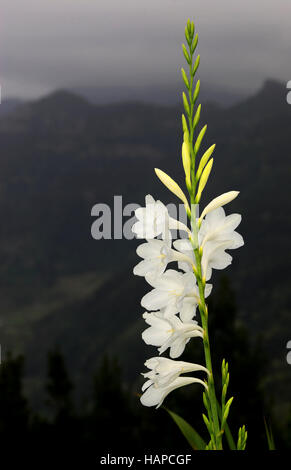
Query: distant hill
(9,105)
(60,155)
(162,95)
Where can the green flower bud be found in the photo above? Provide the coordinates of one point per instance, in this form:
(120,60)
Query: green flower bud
(186,104)
(199,139)
(184,124)
(196,65)
(185,78)
(204,159)
(194,44)
(192,29)
(196,91)
(203,180)
(197,116)
(186,55)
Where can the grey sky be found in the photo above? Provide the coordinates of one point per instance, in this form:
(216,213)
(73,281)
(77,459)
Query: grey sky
(67,43)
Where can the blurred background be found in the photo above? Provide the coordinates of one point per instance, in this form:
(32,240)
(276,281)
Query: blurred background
(91,103)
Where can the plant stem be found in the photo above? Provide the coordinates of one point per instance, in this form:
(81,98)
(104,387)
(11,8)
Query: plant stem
(204,320)
(213,412)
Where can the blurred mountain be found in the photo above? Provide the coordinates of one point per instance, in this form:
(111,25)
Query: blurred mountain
(61,155)
(9,105)
(168,96)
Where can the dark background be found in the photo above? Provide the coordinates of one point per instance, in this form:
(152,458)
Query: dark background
(75,298)
(70,323)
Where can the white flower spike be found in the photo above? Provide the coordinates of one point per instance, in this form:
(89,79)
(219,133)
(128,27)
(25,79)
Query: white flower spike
(172,303)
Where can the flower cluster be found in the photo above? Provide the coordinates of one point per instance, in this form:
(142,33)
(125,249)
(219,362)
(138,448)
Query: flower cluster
(172,303)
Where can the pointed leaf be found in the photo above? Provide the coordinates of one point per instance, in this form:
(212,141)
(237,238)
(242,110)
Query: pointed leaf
(270,437)
(192,436)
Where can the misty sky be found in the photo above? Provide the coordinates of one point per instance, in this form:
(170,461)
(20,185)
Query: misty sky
(49,44)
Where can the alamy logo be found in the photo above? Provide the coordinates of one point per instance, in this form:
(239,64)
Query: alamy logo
(116,222)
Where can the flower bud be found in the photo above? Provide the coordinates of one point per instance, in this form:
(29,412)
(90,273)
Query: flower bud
(204,159)
(203,180)
(194,44)
(219,202)
(185,78)
(186,55)
(196,91)
(196,65)
(199,139)
(184,124)
(186,161)
(186,104)
(173,187)
(197,116)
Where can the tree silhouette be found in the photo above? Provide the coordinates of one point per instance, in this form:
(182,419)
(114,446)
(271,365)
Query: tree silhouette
(14,413)
(59,386)
(112,417)
(115,421)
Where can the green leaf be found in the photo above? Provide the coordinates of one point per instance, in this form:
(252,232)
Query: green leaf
(270,437)
(192,436)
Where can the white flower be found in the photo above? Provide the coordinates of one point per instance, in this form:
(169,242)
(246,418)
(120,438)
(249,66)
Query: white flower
(170,290)
(217,234)
(214,257)
(169,332)
(157,254)
(155,395)
(184,246)
(216,227)
(191,302)
(154,220)
(163,370)
(164,377)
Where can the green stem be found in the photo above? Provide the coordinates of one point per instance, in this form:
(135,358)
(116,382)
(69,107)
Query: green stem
(213,412)
(204,320)
(191,127)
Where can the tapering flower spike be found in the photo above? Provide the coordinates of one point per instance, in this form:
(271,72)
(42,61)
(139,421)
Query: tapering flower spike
(177,295)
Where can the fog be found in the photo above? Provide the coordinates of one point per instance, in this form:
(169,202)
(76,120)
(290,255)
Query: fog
(46,45)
